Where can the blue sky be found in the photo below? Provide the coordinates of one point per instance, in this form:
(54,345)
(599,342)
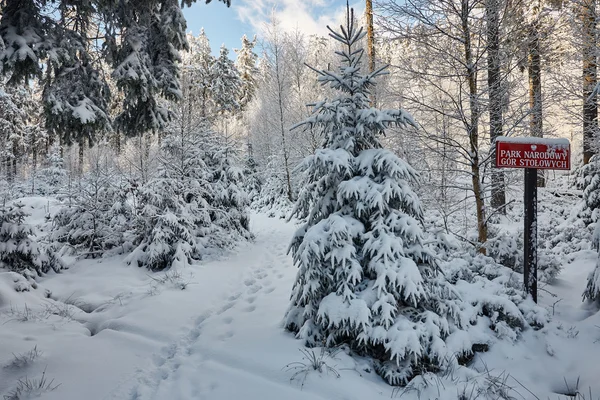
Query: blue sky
(227,25)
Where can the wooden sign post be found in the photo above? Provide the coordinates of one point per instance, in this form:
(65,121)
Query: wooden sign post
(532,153)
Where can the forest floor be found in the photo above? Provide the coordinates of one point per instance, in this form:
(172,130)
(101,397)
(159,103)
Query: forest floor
(106,330)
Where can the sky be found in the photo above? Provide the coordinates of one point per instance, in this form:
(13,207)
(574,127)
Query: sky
(227,25)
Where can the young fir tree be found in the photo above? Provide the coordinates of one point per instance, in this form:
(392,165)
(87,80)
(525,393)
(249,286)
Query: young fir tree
(19,251)
(365,277)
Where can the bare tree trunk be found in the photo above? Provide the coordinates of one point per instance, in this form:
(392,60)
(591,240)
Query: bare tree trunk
(492,16)
(534,71)
(590,101)
(80,161)
(15,152)
(473,126)
(370,42)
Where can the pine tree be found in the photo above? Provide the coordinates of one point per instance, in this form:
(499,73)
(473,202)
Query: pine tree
(246,65)
(19,251)
(226,85)
(198,74)
(365,277)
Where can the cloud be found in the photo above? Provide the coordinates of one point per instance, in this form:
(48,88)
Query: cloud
(308,16)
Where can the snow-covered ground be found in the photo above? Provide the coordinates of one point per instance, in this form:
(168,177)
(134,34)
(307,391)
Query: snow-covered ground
(106,330)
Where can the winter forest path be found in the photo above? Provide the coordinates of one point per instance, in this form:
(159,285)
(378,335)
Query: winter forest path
(226,352)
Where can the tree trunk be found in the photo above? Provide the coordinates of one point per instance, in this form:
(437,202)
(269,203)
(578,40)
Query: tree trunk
(15,152)
(590,101)
(80,161)
(286,156)
(492,14)
(370,43)
(473,126)
(534,71)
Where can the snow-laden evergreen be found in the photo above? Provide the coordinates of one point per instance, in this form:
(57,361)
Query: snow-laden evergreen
(592,289)
(19,250)
(246,65)
(228,199)
(98,215)
(365,277)
(226,85)
(589,181)
(172,221)
(193,206)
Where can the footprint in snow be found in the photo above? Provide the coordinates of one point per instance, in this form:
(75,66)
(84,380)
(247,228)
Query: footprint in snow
(226,335)
(254,289)
(226,307)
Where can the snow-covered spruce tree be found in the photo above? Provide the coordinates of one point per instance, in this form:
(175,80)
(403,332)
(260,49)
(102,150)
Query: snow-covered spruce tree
(246,65)
(227,198)
(589,181)
(98,215)
(592,289)
(365,278)
(52,177)
(252,183)
(173,222)
(19,251)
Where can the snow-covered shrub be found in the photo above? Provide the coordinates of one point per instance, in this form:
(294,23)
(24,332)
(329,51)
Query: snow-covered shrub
(506,249)
(273,198)
(51,179)
(589,181)
(19,250)
(592,289)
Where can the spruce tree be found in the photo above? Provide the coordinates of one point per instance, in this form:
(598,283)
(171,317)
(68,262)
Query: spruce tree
(365,278)
(19,251)
(172,222)
(226,85)
(592,288)
(246,65)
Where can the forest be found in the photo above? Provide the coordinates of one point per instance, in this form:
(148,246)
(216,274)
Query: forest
(307,216)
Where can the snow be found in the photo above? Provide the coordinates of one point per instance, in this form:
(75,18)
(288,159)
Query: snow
(534,140)
(107,330)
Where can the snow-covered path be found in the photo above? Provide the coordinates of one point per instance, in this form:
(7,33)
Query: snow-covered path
(214,350)
(236,347)
(125,336)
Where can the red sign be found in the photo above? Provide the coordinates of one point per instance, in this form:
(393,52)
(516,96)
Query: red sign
(533,152)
